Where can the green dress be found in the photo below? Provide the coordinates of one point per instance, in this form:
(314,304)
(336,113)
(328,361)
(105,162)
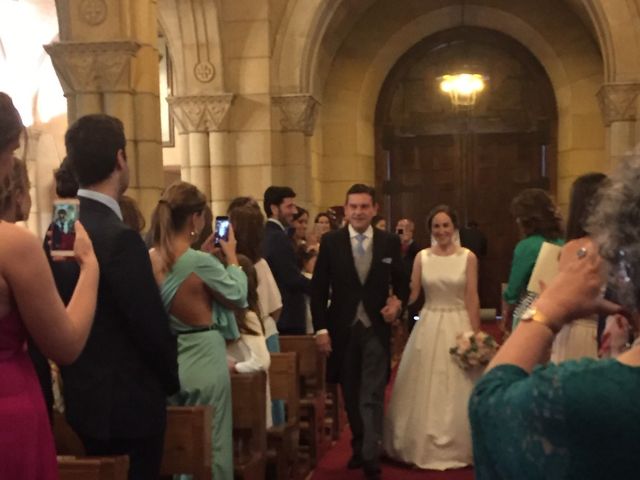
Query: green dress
(576,420)
(202,358)
(524,259)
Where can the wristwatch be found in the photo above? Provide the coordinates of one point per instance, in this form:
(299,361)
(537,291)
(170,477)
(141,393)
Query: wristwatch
(532,314)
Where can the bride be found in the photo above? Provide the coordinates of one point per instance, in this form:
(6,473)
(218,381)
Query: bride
(426,423)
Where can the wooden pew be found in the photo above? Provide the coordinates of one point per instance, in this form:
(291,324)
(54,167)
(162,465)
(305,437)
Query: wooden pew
(336,417)
(187,442)
(93,468)
(282,440)
(249,425)
(312,367)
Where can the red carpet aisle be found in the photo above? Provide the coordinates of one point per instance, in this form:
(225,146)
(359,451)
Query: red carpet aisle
(334,464)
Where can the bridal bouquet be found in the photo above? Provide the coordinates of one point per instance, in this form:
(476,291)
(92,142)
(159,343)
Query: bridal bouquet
(473,349)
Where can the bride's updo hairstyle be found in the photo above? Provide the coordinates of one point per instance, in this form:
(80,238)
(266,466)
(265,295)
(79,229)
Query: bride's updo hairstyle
(178,202)
(451,213)
(614,225)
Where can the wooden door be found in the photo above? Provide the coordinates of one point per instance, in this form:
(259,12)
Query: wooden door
(478,175)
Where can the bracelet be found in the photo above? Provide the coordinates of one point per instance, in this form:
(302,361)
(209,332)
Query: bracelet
(532,314)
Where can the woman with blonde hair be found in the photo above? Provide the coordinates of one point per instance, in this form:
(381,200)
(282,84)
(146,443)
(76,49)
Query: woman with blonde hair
(199,292)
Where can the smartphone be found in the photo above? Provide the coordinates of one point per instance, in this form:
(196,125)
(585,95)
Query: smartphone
(221,230)
(63,233)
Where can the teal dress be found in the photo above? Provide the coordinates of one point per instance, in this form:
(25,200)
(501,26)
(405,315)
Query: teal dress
(202,357)
(579,420)
(524,259)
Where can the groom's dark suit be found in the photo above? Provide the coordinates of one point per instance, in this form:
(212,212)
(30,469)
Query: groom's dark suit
(360,357)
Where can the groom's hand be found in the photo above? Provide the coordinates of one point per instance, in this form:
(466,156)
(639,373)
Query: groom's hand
(391,310)
(323,342)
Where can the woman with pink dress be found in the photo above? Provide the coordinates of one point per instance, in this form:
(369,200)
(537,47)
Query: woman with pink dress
(30,306)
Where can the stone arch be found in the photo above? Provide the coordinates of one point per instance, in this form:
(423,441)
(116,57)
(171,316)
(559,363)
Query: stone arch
(193,34)
(343,144)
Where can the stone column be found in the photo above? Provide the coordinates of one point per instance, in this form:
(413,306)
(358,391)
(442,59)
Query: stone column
(203,119)
(619,104)
(297,114)
(107,62)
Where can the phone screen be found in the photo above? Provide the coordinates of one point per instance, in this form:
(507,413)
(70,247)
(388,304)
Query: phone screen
(63,233)
(222,229)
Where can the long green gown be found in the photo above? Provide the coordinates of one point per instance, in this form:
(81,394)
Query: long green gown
(202,360)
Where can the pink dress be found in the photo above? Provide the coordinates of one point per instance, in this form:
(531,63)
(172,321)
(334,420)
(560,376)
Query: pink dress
(26,443)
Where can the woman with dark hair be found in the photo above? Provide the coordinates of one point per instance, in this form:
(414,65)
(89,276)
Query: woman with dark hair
(31,306)
(577,419)
(200,293)
(249,353)
(426,423)
(579,338)
(299,230)
(131,214)
(248,223)
(538,219)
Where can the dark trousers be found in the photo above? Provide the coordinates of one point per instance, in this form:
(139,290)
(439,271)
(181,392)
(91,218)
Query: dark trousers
(145,454)
(363,380)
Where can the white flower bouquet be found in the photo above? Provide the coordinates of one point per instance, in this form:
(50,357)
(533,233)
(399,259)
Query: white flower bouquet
(473,350)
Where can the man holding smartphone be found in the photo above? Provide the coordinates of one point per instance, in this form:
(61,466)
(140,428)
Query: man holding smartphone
(115,392)
(277,250)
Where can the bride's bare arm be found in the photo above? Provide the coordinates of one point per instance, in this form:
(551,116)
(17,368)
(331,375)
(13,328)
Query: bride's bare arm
(471,299)
(416,278)
(59,333)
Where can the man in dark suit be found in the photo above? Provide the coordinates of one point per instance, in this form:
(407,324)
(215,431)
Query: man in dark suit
(473,239)
(277,250)
(352,310)
(409,249)
(115,393)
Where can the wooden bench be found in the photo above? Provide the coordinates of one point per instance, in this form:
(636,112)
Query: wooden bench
(336,417)
(93,468)
(312,369)
(187,442)
(282,440)
(249,425)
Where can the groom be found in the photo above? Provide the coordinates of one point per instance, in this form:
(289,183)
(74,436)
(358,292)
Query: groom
(352,308)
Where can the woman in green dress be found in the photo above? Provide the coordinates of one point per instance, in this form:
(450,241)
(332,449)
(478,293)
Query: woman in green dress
(539,222)
(578,419)
(198,291)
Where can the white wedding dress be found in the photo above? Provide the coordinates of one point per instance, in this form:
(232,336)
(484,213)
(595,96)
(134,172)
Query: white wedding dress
(426,422)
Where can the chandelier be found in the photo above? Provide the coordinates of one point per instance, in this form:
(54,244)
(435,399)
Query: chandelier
(463,88)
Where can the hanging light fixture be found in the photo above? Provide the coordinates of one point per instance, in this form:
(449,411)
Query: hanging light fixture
(463,88)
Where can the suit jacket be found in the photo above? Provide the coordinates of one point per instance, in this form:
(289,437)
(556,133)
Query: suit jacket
(277,250)
(337,291)
(117,387)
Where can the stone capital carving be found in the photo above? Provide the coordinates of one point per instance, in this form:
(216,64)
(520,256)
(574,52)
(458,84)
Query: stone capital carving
(619,102)
(200,113)
(91,67)
(299,112)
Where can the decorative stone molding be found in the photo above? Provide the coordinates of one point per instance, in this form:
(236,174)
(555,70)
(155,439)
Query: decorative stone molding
(84,67)
(93,12)
(619,102)
(299,112)
(200,113)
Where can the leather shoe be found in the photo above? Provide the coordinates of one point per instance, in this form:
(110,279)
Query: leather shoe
(372,471)
(354,463)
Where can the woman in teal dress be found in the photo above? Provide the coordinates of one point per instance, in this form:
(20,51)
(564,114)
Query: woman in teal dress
(539,222)
(198,291)
(578,419)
